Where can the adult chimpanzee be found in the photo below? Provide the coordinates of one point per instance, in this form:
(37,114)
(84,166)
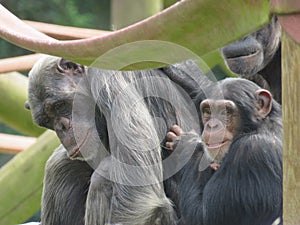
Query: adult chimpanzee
(259,52)
(130,194)
(242,140)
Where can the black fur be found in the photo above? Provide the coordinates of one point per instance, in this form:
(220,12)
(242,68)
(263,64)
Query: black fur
(247,188)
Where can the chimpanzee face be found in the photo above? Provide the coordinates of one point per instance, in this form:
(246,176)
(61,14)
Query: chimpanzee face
(224,119)
(221,123)
(52,87)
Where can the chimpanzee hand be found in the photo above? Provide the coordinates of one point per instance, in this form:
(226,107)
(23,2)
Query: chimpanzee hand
(176,136)
(173,137)
(179,140)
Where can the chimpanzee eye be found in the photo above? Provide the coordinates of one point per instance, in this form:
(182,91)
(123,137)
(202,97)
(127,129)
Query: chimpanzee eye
(206,114)
(58,105)
(226,116)
(206,111)
(224,112)
(46,121)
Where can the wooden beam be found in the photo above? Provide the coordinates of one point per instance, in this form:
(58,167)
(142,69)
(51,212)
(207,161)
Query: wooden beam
(13,144)
(19,63)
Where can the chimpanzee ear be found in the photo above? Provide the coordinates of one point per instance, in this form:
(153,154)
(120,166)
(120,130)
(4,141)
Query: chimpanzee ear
(70,68)
(26,105)
(264,102)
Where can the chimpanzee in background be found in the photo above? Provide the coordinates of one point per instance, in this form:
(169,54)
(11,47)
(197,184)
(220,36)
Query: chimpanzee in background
(257,57)
(242,140)
(53,86)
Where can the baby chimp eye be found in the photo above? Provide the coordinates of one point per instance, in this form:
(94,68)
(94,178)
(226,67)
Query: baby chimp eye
(206,114)
(224,112)
(206,111)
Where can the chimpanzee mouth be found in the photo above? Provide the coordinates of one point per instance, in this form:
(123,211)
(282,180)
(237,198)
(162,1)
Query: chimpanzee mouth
(248,55)
(216,146)
(77,150)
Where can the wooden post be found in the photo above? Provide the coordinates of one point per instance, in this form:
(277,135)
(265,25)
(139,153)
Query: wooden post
(291,125)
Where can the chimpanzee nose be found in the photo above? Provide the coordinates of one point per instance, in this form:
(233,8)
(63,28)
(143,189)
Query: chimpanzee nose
(62,124)
(213,123)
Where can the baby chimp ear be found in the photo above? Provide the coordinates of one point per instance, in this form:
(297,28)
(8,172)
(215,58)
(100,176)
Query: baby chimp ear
(70,68)
(26,105)
(264,102)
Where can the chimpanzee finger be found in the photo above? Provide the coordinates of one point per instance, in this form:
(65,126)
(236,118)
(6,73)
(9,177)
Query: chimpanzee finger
(176,129)
(171,136)
(169,145)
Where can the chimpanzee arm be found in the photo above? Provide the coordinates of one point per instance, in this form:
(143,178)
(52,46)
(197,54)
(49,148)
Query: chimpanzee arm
(98,205)
(65,189)
(191,189)
(193,177)
(188,76)
(103,201)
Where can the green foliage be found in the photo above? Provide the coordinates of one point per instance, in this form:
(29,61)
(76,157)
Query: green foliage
(7,130)
(89,14)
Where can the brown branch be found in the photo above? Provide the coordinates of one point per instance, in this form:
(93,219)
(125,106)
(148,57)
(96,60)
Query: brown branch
(13,144)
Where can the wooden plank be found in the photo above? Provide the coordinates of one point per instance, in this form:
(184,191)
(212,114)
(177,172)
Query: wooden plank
(291,125)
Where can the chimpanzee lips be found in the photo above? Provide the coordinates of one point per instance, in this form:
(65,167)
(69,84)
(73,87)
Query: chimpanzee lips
(77,150)
(244,55)
(215,146)
(240,64)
